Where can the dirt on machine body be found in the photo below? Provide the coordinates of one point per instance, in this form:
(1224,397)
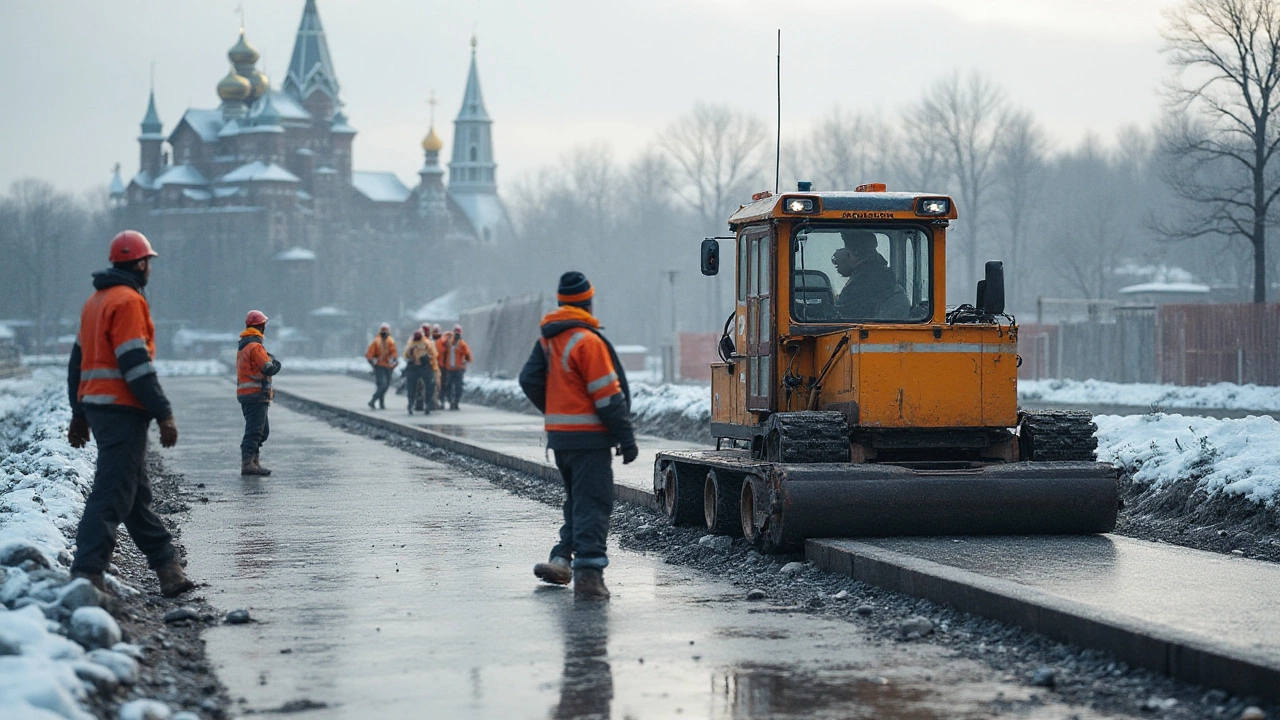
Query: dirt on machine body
(851,400)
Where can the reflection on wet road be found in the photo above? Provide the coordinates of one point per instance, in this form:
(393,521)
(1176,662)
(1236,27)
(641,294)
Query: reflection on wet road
(388,586)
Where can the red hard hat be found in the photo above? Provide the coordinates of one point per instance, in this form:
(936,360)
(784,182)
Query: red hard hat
(255,317)
(130,245)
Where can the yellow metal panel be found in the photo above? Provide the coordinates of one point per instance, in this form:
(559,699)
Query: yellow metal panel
(907,389)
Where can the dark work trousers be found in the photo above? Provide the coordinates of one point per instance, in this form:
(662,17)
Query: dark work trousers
(452,386)
(256,427)
(121,493)
(429,388)
(381,376)
(588,502)
(412,374)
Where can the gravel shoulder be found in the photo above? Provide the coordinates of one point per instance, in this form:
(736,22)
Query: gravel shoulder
(786,584)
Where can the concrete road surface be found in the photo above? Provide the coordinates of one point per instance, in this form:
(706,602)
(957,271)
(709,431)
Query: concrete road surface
(387,586)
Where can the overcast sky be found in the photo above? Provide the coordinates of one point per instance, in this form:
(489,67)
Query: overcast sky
(556,73)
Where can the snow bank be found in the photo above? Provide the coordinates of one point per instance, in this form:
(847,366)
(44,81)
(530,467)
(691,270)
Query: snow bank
(1226,396)
(43,483)
(649,403)
(1221,456)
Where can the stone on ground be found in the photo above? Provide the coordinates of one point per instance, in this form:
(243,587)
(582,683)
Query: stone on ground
(915,627)
(94,628)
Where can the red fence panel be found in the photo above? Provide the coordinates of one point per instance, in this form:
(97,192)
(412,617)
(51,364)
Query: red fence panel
(1203,344)
(697,352)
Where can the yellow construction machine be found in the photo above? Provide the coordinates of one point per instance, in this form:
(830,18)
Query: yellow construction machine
(851,400)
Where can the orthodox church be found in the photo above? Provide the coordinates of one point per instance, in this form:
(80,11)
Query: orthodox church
(256,203)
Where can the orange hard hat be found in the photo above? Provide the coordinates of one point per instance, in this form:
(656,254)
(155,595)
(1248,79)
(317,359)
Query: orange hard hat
(255,317)
(130,245)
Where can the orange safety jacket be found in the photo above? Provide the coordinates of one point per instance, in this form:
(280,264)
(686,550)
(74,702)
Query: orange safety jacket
(112,361)
(254,368)
(453,355)
(382,353)
(420,354)
(574,377)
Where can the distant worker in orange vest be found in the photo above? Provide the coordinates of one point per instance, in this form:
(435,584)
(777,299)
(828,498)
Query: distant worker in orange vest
(430,371)
(575,378)
(439,376)
(455,355)
(254,369)
(382,356)
(417,371)
(115,394)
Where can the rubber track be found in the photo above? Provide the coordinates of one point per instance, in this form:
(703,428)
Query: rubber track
(1061,434)
(813,436)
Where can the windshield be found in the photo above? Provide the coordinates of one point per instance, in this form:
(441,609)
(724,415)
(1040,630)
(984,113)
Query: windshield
(859,273)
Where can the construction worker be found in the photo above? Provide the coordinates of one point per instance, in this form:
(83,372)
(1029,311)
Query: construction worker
(417,357)
(574,377)
(382,356)
(455,355)
(435,345)
(430,371)
(114,394)
(254,369)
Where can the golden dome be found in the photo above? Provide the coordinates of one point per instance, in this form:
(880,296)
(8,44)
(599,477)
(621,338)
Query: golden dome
(432,142)
(258,83)
(234,87)
(242,53)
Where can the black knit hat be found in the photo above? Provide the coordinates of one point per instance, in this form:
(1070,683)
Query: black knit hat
(575,289)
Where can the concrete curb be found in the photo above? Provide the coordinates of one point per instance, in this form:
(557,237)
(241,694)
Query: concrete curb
(542,471)
(1145,644)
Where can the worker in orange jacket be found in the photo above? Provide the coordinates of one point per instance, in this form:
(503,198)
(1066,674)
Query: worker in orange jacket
(254,369)
(574,377)
(434,342)
(454,356)
(114,394)
(381,354)
(419,384)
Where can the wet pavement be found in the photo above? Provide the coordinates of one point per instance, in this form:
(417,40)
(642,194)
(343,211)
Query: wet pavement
(385,585)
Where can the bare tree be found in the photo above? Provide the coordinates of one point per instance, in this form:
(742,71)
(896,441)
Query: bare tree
(718,154)
(967,117)
(1221,137)
(40,225)
(847,149)
(1091,225)
(1020,177)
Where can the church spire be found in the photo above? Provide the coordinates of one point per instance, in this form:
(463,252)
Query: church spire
(311,69)
(471,166)
(151,124)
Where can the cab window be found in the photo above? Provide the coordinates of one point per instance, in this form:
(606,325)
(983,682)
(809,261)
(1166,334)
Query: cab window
(860,273)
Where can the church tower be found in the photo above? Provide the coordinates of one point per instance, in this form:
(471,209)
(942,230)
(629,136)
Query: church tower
(471,166)
(150,141)
(311,79)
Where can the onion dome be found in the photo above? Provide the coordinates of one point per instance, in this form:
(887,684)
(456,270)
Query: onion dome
(258,83)
(234,88)
(432,142)
(242,53)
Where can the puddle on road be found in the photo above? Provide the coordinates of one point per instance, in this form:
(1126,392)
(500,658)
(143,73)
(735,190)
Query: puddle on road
(781,692)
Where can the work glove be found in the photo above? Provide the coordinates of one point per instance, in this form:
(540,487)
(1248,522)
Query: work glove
(168,432)
(78,433)
(629,454)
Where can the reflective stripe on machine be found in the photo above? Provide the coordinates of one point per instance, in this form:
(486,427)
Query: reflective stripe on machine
(100,374)
(587,419)
(601,383)
(931,348)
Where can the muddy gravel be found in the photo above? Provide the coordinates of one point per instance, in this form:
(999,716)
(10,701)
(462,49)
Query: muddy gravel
(1068,673)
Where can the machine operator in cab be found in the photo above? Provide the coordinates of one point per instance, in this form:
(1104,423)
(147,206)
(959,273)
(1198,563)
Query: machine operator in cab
(872,291)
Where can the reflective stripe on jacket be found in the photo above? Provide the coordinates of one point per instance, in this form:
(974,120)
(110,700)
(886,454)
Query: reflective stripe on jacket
(254,368)
(383,353)
(116,344)
(453,355)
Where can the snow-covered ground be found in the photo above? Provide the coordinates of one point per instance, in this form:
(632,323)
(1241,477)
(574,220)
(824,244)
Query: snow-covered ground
(1226,396)
(1231,457)
(56,645)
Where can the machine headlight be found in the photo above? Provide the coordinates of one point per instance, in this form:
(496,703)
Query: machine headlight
(933,206)
(801,205)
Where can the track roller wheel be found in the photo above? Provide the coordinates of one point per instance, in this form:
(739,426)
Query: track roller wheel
(720,496)
(681,494)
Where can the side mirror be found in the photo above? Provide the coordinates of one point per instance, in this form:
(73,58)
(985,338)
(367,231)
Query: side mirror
(991,289)
(710,256)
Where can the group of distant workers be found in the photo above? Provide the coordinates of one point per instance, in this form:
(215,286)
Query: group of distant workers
(435,364)
(573,376)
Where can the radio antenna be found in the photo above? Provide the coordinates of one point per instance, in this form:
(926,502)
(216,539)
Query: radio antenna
(777,156)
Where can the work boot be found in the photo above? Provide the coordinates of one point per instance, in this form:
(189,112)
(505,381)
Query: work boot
(372,406)
(556,571)
(588,584)
(173,581)
(249,465)
(258,466)
(95,579)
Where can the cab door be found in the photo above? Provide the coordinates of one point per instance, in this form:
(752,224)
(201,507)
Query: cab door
(756,244)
